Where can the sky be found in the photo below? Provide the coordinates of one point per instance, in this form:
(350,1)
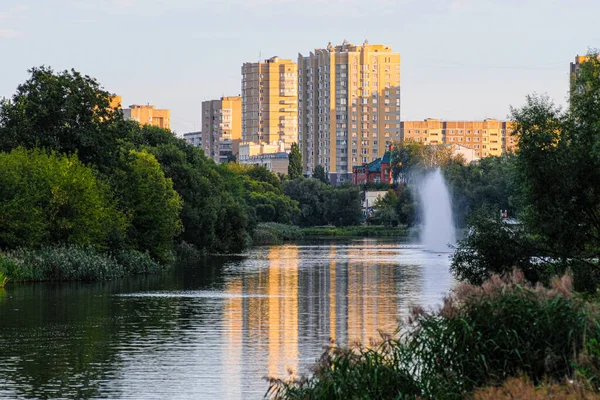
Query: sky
(461,59)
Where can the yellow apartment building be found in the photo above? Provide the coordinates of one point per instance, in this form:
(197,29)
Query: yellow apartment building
(147,115)
(270,101)
(349,106)
(222,128)
(486,138)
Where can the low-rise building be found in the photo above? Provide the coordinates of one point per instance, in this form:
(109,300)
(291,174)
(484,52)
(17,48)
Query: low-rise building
(467,153)
(147,115)
(369,198)
(273,156)
(193,138)
(377,171)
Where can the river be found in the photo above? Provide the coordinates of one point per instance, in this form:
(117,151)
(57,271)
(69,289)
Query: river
(210,330)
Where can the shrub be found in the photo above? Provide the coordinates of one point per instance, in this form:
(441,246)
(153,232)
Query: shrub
(188,252)
(357,372)
(46,199)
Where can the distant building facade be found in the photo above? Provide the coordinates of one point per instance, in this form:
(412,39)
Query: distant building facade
(376,171)
(369,198)
(222,128)
(349,106)
(147,115)
(270,101)
(193,138)
(485,138)
(272,156)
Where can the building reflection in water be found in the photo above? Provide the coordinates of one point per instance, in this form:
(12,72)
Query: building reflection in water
(299,297)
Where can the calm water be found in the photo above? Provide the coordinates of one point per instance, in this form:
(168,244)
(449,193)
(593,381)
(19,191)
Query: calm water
(212,330)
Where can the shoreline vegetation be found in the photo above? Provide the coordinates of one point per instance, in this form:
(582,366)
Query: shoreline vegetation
(504,336)
(273,233)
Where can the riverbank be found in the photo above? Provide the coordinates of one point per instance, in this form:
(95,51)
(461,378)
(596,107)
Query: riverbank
(355,231)
(74,263)
(274,233)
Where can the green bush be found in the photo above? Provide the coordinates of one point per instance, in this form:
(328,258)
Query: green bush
(46,199)
(482,336)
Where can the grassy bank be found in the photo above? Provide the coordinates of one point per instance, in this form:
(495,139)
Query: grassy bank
(481,338)
(74,263)
(274,233)
(355,231)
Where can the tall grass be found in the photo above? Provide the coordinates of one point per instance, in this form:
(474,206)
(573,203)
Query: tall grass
(482,336)
(355,231)
(3,280)
(74,263)
(275,233)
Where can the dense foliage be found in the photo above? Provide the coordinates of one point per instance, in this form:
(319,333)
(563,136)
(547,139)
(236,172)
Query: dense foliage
(321,204)
(74,172)
(553,183)
(52,198)
(482,336)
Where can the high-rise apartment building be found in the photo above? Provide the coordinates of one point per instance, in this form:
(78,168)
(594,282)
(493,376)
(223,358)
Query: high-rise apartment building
(222,128)
(349,106)
(148,115)
(270,101)
(485,138)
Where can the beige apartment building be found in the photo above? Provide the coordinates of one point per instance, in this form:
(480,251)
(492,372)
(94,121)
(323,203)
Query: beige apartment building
(273,156)
(222,128)
(349,106)
(485,138)
(270,101)
(148,115)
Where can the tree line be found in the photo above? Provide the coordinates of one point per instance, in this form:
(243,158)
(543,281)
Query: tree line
(74,172)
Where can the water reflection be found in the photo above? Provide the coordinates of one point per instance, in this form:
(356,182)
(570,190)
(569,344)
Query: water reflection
(211,330)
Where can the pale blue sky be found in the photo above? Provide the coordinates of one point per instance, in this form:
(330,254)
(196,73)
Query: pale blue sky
(461,59)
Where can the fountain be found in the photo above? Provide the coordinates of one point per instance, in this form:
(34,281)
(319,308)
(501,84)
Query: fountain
(438,229)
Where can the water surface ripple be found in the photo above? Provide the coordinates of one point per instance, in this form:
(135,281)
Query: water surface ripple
(211,330)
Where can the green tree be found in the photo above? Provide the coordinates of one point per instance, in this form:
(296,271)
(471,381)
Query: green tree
(344,207)
(312,197)
(320,174)
(295,162)
(557,168)
(67,112)
(152,203)
(47,199)
(385,209)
